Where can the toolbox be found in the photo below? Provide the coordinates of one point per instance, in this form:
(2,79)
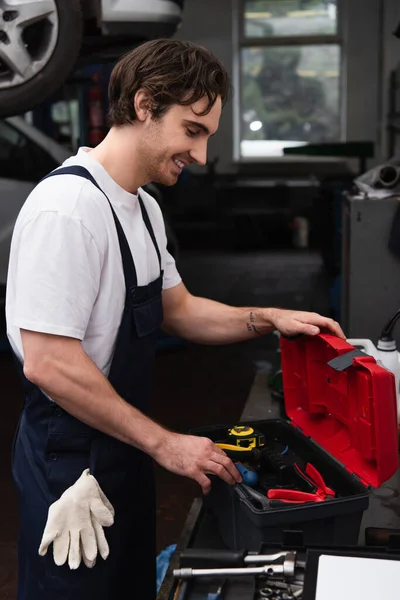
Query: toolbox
(342,419)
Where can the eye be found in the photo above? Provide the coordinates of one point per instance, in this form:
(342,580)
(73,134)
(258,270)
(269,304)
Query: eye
(191,132)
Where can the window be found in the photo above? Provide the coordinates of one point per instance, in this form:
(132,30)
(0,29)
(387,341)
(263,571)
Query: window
(20,157)
(289,75)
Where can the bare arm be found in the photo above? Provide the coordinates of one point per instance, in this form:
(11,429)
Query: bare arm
(61,368)
(208,322)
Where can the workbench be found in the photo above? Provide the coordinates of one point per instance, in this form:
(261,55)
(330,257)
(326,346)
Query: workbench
(200,529)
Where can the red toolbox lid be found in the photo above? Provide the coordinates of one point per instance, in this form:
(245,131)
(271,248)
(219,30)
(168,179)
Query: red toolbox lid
(351,413)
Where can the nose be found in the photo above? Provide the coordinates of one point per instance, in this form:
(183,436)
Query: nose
(199,153)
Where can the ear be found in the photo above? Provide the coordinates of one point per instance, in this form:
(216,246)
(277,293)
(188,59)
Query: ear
(142,105)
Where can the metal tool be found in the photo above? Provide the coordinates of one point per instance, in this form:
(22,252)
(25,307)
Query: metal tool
(267,592)
(286,570)
(280,589)
(292,595)
(258,500)
(252,559)
(209,558)
(267,570)
(285,586)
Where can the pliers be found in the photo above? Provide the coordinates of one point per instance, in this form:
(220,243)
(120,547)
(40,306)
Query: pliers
(313,477)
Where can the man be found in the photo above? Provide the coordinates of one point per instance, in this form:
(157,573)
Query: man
(90,283)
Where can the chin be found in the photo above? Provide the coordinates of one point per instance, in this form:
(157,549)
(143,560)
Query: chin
(167,180)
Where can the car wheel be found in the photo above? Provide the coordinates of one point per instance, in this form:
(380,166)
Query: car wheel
(40,41)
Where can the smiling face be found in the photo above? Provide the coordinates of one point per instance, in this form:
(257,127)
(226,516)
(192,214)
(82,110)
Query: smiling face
(176,139)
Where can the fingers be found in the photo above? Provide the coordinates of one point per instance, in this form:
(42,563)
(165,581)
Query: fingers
(88,542)
(335,328)
(307,329)
(74,557)
(313,323)
(222,472)
(328,325)
(61,548)
(213,460)
(204,482)
(48,537)
(224,468)
(102,513)
(88,563)
(102,543)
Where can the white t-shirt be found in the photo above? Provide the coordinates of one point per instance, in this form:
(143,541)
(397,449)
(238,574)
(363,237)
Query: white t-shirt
(65,272)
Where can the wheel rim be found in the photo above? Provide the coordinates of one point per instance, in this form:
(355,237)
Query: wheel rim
(28,37)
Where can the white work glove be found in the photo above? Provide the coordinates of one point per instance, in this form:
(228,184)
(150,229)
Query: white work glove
(75,524)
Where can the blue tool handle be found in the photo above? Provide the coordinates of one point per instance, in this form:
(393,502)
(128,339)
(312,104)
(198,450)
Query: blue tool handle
(250,478)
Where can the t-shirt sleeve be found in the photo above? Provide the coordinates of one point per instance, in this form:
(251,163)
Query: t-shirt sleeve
(57,277)
(171,274)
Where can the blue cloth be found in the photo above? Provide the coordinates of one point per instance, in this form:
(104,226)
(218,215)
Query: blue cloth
(163,560)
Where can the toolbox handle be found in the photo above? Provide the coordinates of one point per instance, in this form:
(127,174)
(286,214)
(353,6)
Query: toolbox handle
(345,361)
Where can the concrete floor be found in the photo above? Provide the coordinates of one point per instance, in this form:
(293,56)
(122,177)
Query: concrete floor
(194,385)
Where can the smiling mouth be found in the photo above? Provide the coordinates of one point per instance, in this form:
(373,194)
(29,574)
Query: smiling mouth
(179,163)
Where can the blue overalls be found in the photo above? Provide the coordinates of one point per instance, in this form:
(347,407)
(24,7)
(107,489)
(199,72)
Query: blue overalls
(52,448)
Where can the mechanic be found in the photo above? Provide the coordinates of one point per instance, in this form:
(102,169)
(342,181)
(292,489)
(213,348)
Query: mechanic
(90,283)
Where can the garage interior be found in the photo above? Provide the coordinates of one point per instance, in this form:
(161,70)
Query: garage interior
(278,217)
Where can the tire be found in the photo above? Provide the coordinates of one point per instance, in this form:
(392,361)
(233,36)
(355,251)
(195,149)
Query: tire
(25,96)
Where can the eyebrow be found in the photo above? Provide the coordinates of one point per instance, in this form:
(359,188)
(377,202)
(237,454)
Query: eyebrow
(200,126)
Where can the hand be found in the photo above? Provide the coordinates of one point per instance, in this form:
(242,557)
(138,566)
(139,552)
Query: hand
(193,457)
(294,322)
(75,524)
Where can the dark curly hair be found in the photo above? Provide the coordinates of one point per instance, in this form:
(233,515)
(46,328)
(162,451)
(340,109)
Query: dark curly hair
(172,72)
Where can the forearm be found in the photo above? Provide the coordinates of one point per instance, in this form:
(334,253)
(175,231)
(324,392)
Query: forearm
(72,380)
(205,321)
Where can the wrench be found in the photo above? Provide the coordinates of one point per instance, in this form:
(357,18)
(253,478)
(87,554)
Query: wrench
(200,558)
(267,570)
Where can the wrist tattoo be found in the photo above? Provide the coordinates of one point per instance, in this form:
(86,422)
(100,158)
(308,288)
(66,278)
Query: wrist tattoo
(251,327)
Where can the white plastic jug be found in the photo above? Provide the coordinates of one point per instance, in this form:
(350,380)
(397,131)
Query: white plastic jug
(387,355)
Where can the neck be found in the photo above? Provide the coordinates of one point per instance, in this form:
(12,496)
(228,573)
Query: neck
(119,154)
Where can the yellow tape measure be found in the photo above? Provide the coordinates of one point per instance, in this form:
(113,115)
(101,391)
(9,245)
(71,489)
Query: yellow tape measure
(245,436)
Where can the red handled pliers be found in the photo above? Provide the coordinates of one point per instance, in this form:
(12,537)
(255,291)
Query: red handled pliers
(322,492)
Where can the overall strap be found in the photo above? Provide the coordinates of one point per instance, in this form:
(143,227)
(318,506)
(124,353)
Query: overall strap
(149,229)
(127,260)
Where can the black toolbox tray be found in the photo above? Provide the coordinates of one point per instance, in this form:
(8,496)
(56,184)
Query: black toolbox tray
(332,522)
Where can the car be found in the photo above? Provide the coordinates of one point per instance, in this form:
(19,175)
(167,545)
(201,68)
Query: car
(42,41)
(26,156)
